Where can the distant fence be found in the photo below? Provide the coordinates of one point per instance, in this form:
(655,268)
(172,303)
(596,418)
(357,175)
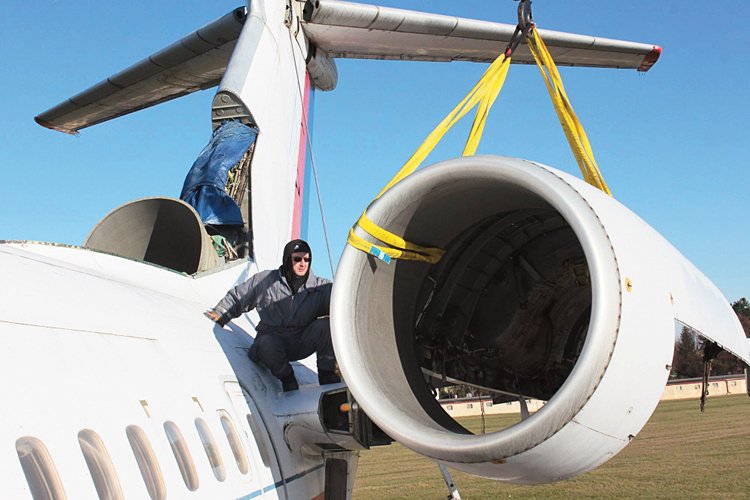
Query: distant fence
(467,407)
(690,388)
(676,389)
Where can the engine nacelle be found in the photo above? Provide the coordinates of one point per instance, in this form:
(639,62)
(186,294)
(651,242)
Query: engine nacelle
(322,69)
(548,289)
(159,230)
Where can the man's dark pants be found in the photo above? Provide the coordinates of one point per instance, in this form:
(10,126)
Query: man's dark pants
(275,349)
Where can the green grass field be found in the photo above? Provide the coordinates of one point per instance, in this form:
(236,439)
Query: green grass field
(680,453)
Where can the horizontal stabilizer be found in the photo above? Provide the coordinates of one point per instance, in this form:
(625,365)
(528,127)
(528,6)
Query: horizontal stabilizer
(195,62)
(338,29)
(346,29)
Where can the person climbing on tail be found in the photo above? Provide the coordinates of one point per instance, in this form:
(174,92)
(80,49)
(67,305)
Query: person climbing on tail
(293,305)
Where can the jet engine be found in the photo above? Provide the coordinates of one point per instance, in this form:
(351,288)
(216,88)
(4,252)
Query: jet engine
(163,231)
(548,289)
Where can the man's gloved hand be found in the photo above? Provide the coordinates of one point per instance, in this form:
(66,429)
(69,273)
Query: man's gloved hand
(217,317)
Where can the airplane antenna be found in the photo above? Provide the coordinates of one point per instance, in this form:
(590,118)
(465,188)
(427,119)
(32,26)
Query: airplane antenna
(320,204)
(312,157)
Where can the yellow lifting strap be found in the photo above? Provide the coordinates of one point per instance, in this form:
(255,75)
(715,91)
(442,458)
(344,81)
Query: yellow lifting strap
(483,94)
(579,142)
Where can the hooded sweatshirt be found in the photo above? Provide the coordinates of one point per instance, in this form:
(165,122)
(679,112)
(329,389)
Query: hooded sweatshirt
(271,294)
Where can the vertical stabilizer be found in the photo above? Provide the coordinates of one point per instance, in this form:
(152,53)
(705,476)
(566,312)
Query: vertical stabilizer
(266,80)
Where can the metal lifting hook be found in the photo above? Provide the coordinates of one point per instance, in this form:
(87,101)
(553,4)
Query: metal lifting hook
(523,28)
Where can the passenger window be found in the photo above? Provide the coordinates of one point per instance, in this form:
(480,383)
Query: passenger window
(100,465)
(182,455)
(234,441)
(41,474)
(146,459)
(212,451)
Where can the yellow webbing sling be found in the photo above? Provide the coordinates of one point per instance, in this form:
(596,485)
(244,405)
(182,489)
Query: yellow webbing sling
(579,142)
(484,94)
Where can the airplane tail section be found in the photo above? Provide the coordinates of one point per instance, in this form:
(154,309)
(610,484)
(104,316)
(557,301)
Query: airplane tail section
(267,60)
(260,63)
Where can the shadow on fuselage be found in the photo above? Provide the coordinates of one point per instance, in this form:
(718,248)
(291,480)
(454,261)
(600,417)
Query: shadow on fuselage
(262,393)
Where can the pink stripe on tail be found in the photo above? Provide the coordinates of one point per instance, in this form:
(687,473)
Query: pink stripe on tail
(299,192)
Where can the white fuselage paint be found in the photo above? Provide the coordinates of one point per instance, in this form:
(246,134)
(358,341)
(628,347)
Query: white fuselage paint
(95,341)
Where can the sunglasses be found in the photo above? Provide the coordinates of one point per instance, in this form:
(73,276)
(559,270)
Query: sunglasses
(300,259)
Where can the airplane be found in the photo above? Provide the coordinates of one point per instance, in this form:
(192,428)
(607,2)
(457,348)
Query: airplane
(548,289)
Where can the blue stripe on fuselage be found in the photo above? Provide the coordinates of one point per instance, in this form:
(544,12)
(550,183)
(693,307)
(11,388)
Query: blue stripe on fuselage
(278,484)
(308,167)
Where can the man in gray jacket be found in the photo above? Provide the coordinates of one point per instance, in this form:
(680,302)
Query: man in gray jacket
(291,302)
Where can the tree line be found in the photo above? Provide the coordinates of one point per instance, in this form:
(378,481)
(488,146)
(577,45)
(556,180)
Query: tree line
(688,353)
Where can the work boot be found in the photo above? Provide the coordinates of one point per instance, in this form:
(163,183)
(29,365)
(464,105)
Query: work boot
(328,377)
(289,383)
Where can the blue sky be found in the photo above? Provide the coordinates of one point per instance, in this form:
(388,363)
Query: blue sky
(672,144)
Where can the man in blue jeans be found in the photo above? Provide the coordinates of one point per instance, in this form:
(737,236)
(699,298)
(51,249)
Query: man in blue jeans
(291,302)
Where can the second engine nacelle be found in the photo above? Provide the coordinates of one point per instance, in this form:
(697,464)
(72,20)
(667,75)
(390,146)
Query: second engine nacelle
(548,289)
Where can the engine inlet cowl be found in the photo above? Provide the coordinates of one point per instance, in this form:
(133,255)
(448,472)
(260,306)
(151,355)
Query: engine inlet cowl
(529,299)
